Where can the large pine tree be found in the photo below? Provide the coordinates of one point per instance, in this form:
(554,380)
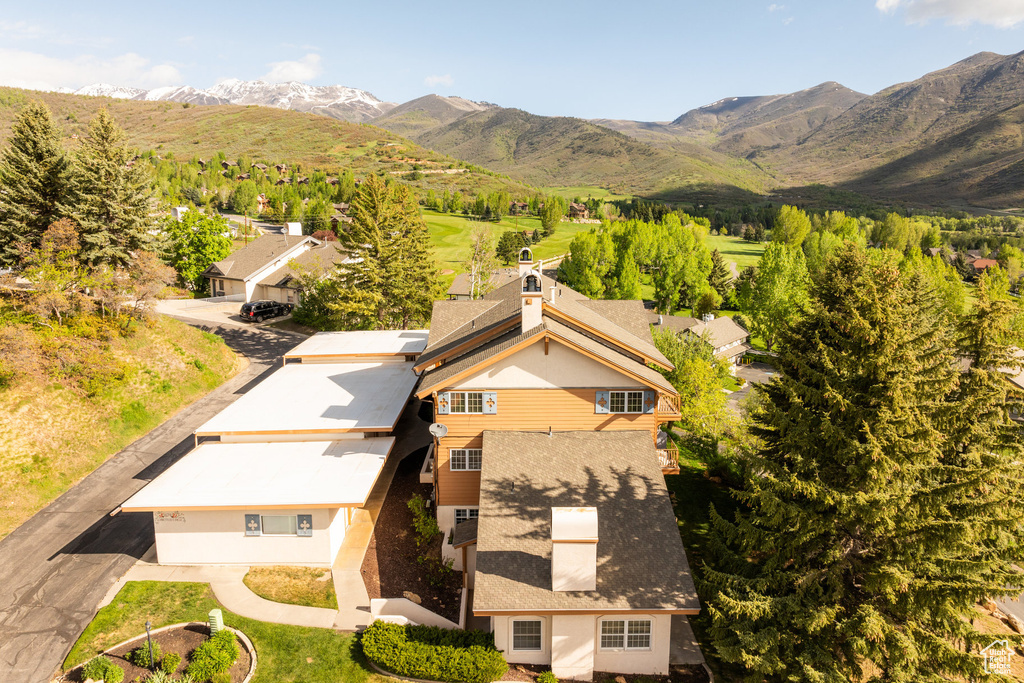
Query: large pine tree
(390,280)
(35,175)
(860,550)
(720,276)
(113,211)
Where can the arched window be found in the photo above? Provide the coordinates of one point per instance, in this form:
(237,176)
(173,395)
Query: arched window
(525,255)
(531,283)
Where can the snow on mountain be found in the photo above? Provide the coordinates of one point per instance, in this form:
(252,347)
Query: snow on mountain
(182,93)
(107,90)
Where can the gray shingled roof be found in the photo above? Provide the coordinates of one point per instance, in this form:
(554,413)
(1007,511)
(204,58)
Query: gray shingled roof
(249,259)
(629,314)
(464,532)
(720,331)
(449,315)
(437,378)
(324,256)
(578,310)
(461,284)
(641,563)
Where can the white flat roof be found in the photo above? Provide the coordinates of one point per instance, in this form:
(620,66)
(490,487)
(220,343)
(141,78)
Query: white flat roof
(319,398)
(362,343)
(304,474)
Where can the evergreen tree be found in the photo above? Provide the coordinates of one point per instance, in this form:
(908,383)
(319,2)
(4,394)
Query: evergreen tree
(35,183)
(720,276)
(114,208)
(390,281)
(848,561)
(509,245)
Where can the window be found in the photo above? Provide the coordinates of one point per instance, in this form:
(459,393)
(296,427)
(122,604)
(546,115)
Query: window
(279,525)
(467,402)
(526,634)
(626,401)
(466,458)
(634,634)
(462,514)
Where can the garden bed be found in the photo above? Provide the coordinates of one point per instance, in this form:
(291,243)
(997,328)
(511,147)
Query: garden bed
(390,568)
(528,673)
(178,639)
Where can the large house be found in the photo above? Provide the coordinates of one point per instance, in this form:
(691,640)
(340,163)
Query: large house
(549,479)
(728,340)
(268,267)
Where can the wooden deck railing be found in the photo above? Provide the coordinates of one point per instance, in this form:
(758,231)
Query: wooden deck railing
(669,460)
(668,404)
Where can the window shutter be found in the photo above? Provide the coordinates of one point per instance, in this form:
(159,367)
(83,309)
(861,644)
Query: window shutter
(252,525)
(601,403)
(305,525)
(490,402)
(444,403)
(650,401)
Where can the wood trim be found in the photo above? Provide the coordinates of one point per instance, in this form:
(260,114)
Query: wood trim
(481,365)
(475,340)
(464,546)
(547,612)
(559,313)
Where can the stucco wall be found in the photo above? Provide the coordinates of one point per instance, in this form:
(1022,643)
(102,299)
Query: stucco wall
(651,662)
(218,537)
(446,521)
(503,641)
(572,646)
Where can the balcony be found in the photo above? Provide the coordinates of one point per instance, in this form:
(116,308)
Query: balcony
(668,408)
(669,459)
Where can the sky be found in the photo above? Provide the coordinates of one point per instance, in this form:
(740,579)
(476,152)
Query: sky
(643,60)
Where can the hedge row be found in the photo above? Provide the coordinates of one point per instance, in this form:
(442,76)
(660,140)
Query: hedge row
(433,653)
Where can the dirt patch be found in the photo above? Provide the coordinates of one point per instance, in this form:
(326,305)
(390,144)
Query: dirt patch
(390,567)
(181,640)
(306,586)
(527,673)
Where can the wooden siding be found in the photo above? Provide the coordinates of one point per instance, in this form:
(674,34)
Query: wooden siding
(456,488)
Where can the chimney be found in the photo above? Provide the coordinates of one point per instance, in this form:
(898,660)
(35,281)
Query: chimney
(554,289)
(707,317)
(661,320)
(293,228)
(532,300)
(573,549)
(525,261)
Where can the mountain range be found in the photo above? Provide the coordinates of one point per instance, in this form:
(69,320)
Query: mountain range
(950,138)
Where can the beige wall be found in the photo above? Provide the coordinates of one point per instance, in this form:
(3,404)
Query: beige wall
(651,662)
(446,521)
(231,287)
(218,537)
(572,646)
(561,367)
(503,641)
(279,294)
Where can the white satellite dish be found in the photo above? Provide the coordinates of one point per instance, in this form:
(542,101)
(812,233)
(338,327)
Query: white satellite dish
(437,429)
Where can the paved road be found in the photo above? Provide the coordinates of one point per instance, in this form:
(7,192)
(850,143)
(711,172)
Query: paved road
(755,373)
(55,568)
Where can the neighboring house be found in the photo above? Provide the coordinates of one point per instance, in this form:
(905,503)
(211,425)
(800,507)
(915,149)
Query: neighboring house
(982,264)
(228,164)
(281,168)
(262,203)
(548,478)
(278,476)
(461,285)
(578,211)
(518,208)
(260,167)
(263,269)
(727,338)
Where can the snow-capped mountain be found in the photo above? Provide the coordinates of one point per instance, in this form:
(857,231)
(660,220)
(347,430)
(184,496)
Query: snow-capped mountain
(336,101)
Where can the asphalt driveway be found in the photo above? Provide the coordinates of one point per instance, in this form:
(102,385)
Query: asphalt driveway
(755,373)
(57,566)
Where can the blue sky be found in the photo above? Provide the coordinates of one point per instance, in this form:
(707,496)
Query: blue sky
(645,60)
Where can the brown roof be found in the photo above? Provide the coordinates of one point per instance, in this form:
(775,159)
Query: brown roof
(450,315)
(721,331)
(499,278)
(629,314)
(464,533)
(438,377)
(641,563)
(322,256)
(248,260)
(983,263)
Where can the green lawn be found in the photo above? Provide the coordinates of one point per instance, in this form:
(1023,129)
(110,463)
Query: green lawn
(285,653)
(449,235)
(730,383)
(736,250)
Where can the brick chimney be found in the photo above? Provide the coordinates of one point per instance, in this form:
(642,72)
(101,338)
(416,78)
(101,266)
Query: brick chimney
(573,549)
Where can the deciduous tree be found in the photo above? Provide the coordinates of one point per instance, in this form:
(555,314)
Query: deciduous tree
(778,292)
(197,240)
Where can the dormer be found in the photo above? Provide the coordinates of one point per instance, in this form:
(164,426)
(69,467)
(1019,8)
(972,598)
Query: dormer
(525,261)
(532,299)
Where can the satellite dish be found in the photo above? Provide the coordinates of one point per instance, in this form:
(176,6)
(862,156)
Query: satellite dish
(437,429)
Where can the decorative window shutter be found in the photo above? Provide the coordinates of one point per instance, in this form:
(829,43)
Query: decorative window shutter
(490,399)
(650,401)
(444,403)
(305,525)
(601,403)
(252,525)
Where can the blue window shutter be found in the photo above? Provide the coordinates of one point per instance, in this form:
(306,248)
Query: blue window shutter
(601,403)
(444,403)
(252,525)
(490,402)
(305,525)
(650,401)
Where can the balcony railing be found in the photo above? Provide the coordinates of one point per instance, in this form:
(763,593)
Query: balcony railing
(669,460)
(668,405)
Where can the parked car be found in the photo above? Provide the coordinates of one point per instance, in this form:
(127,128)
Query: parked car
(258,311)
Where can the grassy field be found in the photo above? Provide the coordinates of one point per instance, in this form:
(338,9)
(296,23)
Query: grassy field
(79,383)
(306,586)
(450,234)
(737,251)
(287,654)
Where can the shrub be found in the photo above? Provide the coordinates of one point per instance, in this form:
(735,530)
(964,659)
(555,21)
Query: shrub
(159,676)
(423,523)
(101,668)
(140,655)
(222,677)
(434,653)
(214,656)
(547,677)
(438,570)
(170,662)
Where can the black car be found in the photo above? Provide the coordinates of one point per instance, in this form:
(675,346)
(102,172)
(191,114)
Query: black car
(258,311)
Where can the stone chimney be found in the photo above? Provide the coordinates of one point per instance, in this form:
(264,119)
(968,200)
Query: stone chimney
(532,300)
(573,549)
(525,261)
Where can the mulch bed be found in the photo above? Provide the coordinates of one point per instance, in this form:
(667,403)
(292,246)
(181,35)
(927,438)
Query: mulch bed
(181,640)
(389,567)
(527,673)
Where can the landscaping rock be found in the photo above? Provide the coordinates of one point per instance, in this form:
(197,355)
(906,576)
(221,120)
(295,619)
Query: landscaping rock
(989,605)
(412,597)
(620,679)
(1015,623)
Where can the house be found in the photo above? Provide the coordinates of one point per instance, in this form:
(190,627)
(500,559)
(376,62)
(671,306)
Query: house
(727,338)
(281,168)
(283,181)
(982,264)
(264,270)
(518,208)
(332,181)
(202,163)
(279,475)
(547,472)
(462,285)
(303,180)
(243,176)
(262,203)
(578,210)
(228,164)
(260,167)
